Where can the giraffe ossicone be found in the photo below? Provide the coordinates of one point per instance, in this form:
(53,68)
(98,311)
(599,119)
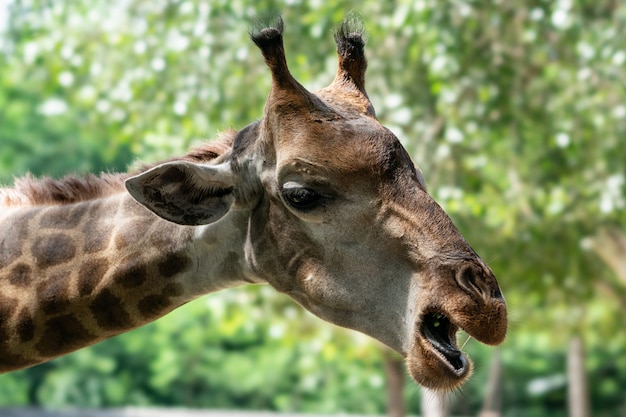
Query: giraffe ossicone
(317,199)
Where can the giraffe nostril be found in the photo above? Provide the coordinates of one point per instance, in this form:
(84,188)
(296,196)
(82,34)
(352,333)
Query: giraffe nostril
(473,283)
(497,292)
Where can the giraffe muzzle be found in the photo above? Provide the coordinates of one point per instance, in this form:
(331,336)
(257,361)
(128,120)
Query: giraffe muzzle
(469,299)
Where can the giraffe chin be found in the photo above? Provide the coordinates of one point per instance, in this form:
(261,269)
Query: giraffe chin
(436,361)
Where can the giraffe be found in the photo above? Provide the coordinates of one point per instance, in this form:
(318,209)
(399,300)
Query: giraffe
(317,199)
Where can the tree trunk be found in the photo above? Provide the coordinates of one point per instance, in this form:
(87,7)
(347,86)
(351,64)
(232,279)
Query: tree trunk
(394,370)
(577,392)
(434,404)
(492,402)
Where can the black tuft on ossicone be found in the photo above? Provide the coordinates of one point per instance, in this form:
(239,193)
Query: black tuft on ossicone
(350,39)
(267,31)
(350,34)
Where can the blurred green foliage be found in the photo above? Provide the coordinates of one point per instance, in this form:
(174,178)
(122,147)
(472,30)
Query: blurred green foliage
(516,112)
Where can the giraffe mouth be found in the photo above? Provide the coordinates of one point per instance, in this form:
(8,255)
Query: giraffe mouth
(440,333)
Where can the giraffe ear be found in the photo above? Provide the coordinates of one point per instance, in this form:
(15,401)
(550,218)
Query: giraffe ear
(185,193)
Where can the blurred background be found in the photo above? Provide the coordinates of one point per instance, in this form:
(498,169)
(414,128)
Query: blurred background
(515,111)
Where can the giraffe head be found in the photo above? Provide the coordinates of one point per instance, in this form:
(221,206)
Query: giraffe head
(337,216)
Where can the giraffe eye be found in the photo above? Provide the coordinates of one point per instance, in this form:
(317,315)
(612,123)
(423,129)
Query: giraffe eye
(300,197)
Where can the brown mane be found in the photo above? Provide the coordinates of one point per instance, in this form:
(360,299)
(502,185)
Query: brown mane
(31,191)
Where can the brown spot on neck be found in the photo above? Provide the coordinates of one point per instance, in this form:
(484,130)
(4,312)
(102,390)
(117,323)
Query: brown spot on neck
(97,236)
(13,231)
(173,264)
(55,249)
(25,326)
(53,294)
(131,273)
(63,334)
(21,275)
(155,305)
(8,307)
(91,273)
(110,313)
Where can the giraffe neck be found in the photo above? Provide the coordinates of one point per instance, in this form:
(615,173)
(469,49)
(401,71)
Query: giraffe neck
(72,275)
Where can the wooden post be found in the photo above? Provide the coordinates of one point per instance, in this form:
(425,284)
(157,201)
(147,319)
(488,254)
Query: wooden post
(394,371)
(577,391)
(492,403)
